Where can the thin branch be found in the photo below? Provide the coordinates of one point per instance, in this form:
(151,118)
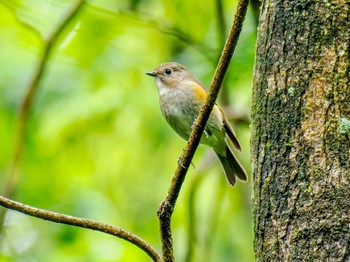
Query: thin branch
(163,27)
(81,222)
(167,207)
(197,180)
(25,24)
(221,24)
(212,216)
(221,36)
(29,97)
(212,219)
(256,10)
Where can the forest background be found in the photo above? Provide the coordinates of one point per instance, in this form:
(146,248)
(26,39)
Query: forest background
(96,145)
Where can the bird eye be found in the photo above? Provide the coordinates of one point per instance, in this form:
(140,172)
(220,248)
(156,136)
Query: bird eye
(168,71)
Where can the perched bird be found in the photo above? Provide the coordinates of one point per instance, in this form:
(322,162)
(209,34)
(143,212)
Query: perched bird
(181,98)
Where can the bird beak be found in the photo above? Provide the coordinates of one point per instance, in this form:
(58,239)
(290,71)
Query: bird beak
(153,74)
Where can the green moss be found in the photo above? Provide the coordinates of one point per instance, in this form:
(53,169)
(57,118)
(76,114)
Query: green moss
(344,127)
(268,145)
(291,91)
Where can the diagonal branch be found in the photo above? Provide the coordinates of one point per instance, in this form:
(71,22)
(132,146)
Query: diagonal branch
(81,222)
(28,26)
(167,207)
(27,102)
(163,27)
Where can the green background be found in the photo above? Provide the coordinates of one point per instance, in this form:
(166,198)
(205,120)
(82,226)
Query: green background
(97,145)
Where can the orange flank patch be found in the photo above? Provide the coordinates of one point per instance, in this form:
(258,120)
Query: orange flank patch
(199,93)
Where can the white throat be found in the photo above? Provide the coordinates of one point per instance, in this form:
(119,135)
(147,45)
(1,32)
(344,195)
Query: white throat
(161,87)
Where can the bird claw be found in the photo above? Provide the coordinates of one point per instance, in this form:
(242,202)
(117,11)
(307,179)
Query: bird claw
(181,164)
(193,165)
(194,121)
(205,132)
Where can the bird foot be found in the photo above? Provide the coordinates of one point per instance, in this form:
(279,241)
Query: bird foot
(180,162)
(205,132)
(194,121)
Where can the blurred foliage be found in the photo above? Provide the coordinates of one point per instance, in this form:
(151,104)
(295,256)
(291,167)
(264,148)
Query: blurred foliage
(96,144)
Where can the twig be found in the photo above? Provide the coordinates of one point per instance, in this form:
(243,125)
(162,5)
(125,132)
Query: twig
(11,7)
(221,36)
(164,28)
(212,219)
(221,25)
(81,222)
(28,99)
(198,177)
(255,4)
(167,207)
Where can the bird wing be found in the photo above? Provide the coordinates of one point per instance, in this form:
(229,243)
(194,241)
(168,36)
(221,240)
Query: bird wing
(201,95)
(231,134)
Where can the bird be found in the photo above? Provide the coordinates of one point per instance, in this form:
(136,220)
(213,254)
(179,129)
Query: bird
(181,97)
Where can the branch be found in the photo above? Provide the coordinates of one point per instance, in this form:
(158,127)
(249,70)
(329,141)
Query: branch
(255,4)
(25,24)
(198,177)
(29,97)
(221,25)
(167,207)
(163,27)
(81,222)
(221,36)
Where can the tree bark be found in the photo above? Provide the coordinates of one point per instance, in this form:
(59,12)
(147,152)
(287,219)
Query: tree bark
(300,132)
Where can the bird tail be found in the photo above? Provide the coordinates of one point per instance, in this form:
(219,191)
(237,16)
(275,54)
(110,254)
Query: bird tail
(232,167)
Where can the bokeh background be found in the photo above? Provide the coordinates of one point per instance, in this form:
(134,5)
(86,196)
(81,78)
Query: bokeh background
(96,145)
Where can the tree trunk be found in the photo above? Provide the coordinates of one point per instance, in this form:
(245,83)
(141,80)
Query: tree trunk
(301,132)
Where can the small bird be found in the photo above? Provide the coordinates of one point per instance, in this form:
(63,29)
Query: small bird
(181,98)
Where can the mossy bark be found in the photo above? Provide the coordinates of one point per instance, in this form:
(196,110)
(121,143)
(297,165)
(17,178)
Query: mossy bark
(300,150)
